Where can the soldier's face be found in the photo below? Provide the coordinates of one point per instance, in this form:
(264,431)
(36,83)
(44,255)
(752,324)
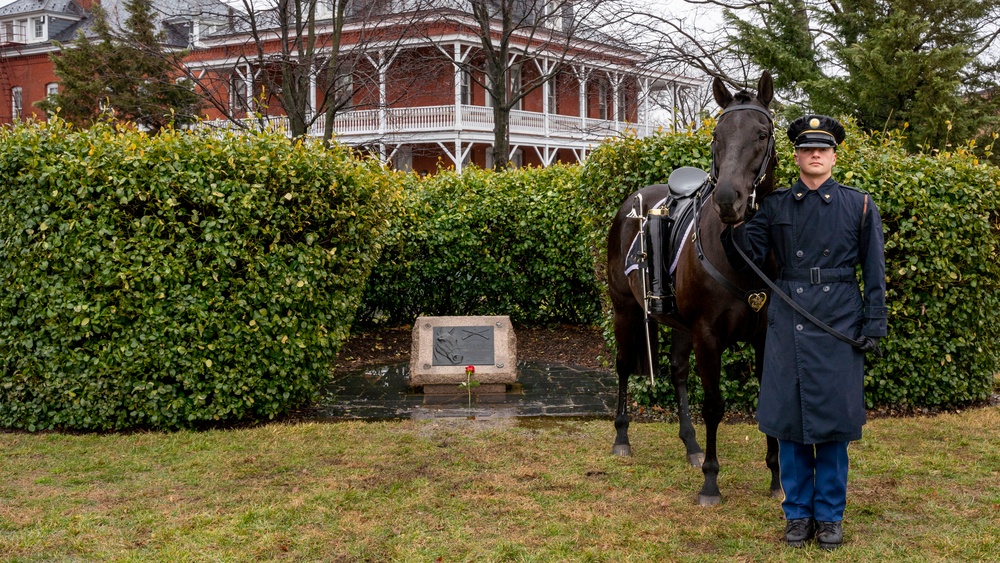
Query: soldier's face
(815,162)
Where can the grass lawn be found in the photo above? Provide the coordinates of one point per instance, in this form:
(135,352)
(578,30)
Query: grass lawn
(922,489)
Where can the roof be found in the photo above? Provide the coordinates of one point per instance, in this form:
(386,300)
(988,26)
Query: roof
(41,6)
(170,15)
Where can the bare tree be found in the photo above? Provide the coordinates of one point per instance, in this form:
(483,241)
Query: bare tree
(306,60)
(525,44)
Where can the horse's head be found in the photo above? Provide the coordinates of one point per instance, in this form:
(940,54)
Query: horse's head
(743,153)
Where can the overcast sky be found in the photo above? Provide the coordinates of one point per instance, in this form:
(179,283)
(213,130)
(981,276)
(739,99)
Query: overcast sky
(677,7)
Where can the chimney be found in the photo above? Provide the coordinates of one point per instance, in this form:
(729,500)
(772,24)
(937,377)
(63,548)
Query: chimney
(87,5)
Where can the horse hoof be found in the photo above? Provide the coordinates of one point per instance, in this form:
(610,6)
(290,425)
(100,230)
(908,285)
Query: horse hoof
(705,500)
(623,450)
(696,459)
(777,494)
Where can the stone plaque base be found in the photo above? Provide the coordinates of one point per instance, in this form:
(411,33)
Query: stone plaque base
(452,389)
(443,346)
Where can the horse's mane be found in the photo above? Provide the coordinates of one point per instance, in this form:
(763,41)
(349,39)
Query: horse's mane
(742,97)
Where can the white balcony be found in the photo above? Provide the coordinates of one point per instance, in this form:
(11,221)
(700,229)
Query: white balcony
(430,124)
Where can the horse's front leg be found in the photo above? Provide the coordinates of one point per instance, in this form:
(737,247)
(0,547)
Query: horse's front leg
(621,446)
(680,369)
(708,357)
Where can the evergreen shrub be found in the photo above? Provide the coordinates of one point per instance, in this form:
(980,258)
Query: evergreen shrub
(178,280)
(486,243)
(941,217)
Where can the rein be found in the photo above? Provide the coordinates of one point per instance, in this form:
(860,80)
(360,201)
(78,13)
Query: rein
(755,299)
(798,308)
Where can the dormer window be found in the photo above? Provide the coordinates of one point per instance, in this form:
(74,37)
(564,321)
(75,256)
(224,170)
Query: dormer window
(38,26)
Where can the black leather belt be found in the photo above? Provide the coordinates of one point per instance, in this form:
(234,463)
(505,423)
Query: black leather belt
(817,275)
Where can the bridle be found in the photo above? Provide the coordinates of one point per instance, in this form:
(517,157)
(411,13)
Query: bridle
(769,154)
(754,298)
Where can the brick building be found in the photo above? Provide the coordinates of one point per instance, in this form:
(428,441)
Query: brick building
(414,94)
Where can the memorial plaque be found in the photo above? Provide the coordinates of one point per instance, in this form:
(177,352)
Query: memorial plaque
(465,345)
(443,347)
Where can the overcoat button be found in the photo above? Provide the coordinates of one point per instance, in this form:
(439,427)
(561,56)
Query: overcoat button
(826,252)
(826,288)
(800,254)
(799,290)
(798,327)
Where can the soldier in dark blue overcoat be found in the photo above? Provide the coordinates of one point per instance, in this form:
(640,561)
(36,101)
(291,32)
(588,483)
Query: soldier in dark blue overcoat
(812,386)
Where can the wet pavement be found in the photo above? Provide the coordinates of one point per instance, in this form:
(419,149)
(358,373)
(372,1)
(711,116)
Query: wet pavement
(542,389)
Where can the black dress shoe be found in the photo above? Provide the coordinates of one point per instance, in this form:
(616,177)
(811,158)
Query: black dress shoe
(799,531)
(830,534)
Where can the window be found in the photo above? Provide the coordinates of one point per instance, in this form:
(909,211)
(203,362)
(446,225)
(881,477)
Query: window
(516,158)
(51,89)
(515,87)
(602,100)
(17,107)
(553,96)
(466,93)
(8,32)
(239,99)
(403,159)
(343,88)
(622,99)
(39,27)
(488,102)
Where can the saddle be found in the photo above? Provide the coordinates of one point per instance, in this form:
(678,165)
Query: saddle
(666,227)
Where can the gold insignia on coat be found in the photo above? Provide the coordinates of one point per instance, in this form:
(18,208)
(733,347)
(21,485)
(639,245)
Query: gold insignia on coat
(814,123)
(827,196)
(757,300)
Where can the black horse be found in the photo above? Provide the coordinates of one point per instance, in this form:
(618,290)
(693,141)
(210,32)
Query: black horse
(712,311)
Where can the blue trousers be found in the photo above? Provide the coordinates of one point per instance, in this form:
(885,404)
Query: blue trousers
(814,479)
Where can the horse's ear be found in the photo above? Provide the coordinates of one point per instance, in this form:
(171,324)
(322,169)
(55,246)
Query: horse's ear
(722,94)
(765,89)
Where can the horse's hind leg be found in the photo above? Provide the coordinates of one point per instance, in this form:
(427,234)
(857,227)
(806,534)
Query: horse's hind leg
(680,368)
(630,336)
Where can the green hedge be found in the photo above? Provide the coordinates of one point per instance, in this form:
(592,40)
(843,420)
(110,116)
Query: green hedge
(941,215)
(482,243)
(177,280)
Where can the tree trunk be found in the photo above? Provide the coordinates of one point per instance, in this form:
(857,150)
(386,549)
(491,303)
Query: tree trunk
(501,137)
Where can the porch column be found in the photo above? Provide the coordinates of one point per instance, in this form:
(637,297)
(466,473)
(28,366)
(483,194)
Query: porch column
(382,64)
(383,110)
(545,67)
(456,61)
(312,92)
(616,81)
(582,75)
(644,90)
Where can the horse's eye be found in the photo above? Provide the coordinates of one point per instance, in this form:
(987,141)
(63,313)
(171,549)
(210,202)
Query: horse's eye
(762,135)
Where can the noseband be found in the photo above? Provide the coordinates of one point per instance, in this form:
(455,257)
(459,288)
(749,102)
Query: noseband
(765,163)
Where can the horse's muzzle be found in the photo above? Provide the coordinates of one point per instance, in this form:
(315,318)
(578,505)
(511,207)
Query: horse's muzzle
(729,212)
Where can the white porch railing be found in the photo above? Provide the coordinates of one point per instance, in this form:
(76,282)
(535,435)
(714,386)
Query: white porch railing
(371,125)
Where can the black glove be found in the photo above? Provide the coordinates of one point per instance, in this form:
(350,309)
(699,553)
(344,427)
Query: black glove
(870,344)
